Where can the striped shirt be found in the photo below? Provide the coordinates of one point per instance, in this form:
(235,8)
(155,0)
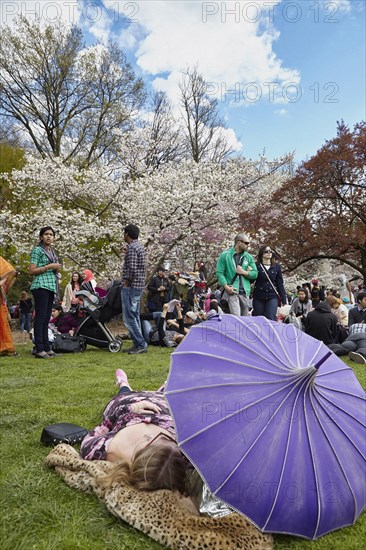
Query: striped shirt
(47,279)
(134,265)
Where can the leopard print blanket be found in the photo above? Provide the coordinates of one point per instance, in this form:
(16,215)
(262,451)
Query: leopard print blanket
(159,514)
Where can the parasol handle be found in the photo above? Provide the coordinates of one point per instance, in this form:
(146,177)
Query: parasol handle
(321,361)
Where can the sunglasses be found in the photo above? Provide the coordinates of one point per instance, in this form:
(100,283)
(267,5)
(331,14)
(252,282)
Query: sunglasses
(161,434)
(245,242)
(268,250)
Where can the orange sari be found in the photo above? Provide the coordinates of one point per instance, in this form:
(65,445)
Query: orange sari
(7,279)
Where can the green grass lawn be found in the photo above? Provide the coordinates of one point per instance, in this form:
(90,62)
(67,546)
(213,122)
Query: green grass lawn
(38,510)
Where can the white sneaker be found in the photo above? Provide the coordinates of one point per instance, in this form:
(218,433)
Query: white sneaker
(357,358)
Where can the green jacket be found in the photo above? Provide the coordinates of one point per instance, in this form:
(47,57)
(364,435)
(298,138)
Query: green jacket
(226,269)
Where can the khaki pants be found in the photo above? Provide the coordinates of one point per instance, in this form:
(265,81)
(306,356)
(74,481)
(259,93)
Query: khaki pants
(238,304)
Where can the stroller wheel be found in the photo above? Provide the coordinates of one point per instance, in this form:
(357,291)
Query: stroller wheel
(115,346)
(119,338)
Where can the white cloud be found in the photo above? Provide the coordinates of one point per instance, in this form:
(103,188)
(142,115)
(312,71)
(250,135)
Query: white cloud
(230,41)
(281,112)
(96,21)
(336,7)
(231,139)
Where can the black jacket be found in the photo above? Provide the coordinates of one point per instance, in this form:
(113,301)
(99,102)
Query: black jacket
(321,323)
(263,289)
(25,306)
(159,298)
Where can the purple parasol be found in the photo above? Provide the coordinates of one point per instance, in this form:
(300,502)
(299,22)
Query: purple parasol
(273,421)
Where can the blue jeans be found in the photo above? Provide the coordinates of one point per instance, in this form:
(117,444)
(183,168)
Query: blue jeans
(146,326)
(131,298)
(267,308)
(25,321)
(43,300)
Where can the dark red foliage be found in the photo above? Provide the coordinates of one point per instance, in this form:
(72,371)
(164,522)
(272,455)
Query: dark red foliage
(321,211)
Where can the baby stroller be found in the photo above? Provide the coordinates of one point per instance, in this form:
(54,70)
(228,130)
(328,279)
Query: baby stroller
(97,312)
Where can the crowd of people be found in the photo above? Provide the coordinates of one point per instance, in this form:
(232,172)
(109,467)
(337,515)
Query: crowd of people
(318,311)
(173,302)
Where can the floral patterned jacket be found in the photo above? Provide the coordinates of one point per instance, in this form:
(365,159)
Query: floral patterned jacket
(118,415)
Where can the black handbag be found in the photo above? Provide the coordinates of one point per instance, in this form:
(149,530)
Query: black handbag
(64,343)
(223,302)
(63,433)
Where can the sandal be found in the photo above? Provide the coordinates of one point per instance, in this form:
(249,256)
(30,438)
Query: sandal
(9,354)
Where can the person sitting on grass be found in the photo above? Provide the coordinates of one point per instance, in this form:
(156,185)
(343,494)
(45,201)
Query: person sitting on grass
(65,323)
(357,314)
(190,318)
(354,345)
(168,332)
(321,323)
(138,434)
(60,322)
(339,309)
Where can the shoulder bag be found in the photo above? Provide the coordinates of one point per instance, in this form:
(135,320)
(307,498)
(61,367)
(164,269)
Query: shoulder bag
(272,285)
(223,302)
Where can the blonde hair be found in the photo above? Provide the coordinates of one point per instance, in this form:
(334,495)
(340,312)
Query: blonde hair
(333,301)
(151,469)
(23,295)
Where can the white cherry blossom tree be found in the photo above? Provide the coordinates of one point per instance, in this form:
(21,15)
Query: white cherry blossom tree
(185,210)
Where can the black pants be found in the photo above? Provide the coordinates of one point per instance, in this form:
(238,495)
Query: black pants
(124,389)
(43,300)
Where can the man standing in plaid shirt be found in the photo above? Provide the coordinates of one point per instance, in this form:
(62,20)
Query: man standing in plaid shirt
(133,279)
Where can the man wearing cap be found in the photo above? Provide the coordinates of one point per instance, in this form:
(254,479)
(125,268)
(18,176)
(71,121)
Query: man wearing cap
(190,319)
(236,270)
(133,279)
(159,289)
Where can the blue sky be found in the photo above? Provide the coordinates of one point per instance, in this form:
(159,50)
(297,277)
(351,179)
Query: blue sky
(294,67)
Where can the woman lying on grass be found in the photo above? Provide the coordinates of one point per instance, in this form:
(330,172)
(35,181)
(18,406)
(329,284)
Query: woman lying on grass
(138,433)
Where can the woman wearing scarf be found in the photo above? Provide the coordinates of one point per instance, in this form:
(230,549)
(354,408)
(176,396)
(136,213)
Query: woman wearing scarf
(45,268)
(88,277)
(7,278)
